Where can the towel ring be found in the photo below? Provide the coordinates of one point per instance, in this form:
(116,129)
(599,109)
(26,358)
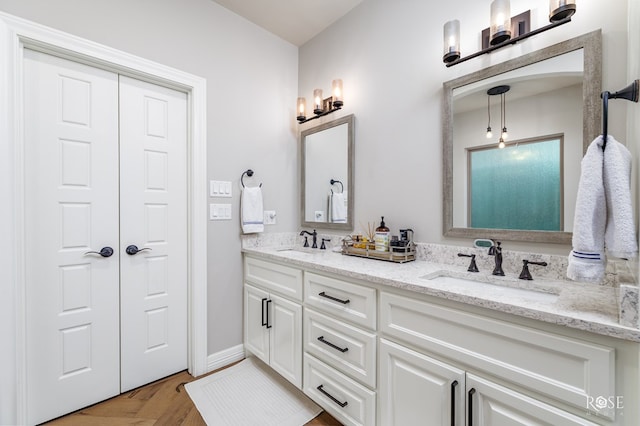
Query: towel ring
(333,182)
(248,173)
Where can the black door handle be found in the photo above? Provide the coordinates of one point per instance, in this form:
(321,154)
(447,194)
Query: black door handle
(264,299)
(104,252)
(133,249)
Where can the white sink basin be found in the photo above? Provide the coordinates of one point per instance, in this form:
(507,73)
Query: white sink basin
(455,278)
(303,250)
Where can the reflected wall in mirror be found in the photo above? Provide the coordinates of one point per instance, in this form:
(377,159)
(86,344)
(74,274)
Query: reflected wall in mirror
(326,153)
(554,94)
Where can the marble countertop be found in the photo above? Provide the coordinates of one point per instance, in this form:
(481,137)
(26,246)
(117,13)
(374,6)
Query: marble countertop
(574,305)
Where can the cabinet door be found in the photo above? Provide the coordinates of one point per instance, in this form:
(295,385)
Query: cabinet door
(416,389)
(256,335)
(285,320)
(490,404)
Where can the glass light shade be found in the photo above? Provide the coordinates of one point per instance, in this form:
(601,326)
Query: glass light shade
(337,94)
(500,28)
(504,135)
(489,133)
(301,107)
(451,41)
(501,144)
(317,101)
(561,9)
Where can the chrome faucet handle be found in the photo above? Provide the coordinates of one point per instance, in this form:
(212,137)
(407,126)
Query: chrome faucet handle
(472,266)
(525,274)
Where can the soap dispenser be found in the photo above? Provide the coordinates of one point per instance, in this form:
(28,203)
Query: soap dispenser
(382,237)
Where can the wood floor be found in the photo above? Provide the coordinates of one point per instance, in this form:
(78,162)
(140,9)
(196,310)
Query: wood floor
(164,402)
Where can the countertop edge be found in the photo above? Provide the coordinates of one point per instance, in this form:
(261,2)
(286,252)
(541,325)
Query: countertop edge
(572,319)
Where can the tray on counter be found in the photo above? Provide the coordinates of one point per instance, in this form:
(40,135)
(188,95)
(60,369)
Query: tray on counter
(367,249)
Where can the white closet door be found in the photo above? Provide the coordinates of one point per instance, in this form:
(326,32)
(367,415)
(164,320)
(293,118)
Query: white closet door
(71,179)
(153,217)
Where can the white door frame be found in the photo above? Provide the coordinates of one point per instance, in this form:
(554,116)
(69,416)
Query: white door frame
(16,34)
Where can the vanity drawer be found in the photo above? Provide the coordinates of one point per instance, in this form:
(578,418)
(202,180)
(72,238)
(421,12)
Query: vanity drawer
(351,302)
(566,369)
(284,280)
(343,398)
(348,349)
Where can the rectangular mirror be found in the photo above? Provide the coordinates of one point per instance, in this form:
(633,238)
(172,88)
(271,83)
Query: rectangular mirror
(549,96)
(326,153)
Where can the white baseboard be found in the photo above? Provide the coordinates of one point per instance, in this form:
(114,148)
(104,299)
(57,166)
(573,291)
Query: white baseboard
(225,357)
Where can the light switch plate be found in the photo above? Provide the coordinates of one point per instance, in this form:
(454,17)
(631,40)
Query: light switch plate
(219,211)
(269,217)
(220,188)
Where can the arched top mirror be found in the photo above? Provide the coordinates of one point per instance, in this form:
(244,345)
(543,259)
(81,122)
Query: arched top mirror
(524,190)
(327,190)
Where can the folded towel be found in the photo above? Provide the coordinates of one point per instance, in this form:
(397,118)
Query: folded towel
(587,260)
(620,234)
(338,208)
(251,210)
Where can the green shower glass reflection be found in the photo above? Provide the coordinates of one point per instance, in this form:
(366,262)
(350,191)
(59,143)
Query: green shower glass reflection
(517,187)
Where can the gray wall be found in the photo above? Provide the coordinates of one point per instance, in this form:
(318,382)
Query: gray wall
(251,91)
(389,56)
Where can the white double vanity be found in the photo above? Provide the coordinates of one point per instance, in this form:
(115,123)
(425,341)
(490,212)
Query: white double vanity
(379,343)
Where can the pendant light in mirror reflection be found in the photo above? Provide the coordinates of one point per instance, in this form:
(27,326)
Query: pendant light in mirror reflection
(321,106)
(494,91)
(504,29)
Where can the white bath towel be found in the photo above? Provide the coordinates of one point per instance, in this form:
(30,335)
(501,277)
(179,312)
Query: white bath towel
(604,214)
(338,208)
(251,210)
(620,235)
(587,260)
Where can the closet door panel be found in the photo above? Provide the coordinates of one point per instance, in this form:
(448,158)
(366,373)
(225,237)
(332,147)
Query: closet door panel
(153,217)
(71,208)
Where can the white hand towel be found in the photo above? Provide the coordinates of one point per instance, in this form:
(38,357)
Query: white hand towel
(338,208)
(252,210)
(587,260)
(620,234)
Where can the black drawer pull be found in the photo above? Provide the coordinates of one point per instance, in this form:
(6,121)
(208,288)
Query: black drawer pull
(338,348)
(331,397)
(326,296)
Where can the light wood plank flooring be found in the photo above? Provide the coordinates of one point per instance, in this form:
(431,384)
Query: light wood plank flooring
(164,402)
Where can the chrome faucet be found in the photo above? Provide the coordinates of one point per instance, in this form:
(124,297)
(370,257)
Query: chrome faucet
(496,251)
(314,234)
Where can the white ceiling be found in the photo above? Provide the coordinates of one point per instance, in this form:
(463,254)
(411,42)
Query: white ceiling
(296,21)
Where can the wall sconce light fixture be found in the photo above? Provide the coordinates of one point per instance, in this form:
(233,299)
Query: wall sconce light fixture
(561,9)
(494,91)
(451,41)
(321,106)
(501,28)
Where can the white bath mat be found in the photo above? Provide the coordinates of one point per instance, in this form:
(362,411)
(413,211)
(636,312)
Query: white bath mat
(250,393)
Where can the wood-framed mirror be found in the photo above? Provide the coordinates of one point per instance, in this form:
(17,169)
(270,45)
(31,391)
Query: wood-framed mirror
(326,175)
(553,92)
